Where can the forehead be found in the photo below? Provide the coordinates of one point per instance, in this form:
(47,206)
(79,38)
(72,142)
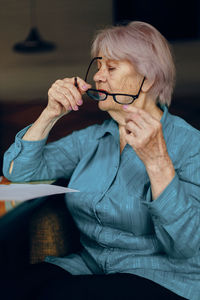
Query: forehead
(107,56)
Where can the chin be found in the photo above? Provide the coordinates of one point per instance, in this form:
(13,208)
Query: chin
(110,106)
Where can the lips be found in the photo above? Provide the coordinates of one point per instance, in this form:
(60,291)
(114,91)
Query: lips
(101,90)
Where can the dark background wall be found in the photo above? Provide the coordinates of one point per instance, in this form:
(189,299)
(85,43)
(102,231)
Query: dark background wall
(71,26)
(26,78)
(175,19)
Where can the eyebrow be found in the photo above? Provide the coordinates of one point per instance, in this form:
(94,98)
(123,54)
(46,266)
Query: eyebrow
(107,61)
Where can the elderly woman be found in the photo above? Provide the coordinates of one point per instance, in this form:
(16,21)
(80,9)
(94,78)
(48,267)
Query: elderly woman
(138,173)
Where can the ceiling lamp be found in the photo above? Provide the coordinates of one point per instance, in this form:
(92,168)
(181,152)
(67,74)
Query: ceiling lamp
(33,43)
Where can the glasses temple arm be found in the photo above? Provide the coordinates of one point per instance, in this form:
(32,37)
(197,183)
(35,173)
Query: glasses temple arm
(90,66)
(141,86)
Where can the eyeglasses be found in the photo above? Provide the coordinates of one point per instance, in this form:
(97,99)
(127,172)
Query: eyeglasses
(100,95)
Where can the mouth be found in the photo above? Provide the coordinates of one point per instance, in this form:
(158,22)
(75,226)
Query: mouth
(101,90)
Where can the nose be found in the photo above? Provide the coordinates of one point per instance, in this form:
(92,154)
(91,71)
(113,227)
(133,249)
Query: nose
(100,75)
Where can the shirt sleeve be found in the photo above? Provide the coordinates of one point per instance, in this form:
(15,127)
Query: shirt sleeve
(176,212)
(36,160)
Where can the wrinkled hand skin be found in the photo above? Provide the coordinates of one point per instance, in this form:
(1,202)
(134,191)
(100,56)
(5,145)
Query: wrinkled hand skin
(144,134)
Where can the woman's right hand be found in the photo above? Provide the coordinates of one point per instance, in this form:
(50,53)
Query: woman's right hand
(64,96)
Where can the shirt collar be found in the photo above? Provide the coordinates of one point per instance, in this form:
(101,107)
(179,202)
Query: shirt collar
(109,126)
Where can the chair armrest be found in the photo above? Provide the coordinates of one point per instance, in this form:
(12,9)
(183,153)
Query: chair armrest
(52,230)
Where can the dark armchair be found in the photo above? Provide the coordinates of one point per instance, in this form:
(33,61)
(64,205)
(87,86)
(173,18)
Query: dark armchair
(35,229)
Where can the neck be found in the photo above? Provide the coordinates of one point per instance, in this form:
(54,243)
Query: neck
(119,116)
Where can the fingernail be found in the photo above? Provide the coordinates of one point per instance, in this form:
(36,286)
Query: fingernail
(80,102)
(70,108)
(76,107)
(84,87)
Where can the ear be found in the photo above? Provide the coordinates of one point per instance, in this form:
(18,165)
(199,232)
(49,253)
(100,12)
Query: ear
(148,83)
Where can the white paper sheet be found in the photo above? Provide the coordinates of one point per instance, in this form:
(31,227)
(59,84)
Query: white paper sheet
(24,192)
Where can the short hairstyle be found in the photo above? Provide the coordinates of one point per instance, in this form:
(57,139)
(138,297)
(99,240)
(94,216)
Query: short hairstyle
(146,48)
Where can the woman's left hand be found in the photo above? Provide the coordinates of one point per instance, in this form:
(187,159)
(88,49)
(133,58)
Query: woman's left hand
(144,134)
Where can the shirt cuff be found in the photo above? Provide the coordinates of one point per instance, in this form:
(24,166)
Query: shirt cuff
(29,147)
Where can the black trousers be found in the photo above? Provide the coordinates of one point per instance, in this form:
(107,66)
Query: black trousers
(45,281)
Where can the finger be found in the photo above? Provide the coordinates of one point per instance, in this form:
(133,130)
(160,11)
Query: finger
(137,119)
(74,90)
(135,140)
(66,91)
(75,93)
(58,106)
(132,128)
(144,120)
(66,98)
(82,85)
(141,112)
(58,101)
(69,85)
(131,139)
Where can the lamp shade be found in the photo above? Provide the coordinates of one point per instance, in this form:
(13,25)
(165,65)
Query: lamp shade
(33,43)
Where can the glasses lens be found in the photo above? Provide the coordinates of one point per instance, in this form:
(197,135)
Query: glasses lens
(96,95)
(124,99)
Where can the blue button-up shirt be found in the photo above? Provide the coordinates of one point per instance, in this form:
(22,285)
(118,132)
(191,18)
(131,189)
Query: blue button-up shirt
(122,229)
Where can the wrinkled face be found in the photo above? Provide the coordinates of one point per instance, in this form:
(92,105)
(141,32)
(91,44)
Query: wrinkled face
(116,76)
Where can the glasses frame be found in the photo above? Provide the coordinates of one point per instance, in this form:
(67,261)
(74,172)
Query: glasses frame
(134,97)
